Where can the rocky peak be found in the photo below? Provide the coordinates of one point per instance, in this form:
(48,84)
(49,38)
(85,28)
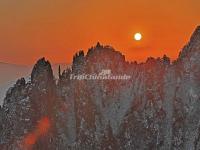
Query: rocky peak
(192,46)
(107,56)
(99,48)
(42,73)
(102,57)
(21,82)
(78,57)
(195,39)
(103,53)
(78,61)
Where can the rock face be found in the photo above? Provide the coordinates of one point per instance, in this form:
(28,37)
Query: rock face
(157,108)
(28,110)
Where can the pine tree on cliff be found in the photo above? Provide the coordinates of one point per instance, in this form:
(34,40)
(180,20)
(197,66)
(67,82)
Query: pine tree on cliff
(59,72)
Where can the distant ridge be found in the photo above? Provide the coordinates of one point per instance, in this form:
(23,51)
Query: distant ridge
(7,63)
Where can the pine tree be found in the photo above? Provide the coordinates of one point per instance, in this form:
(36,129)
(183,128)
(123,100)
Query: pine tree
(59,72)
(98,45)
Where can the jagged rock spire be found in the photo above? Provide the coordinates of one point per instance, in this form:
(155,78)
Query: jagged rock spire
(42,72)
(78,61)
(21,82)
(77,56)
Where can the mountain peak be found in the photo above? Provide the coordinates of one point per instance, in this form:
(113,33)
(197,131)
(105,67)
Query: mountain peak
(196,36)
(42,72)
(193,45)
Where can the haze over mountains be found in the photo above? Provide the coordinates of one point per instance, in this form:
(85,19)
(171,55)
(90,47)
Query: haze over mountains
(9,73)
(156,109)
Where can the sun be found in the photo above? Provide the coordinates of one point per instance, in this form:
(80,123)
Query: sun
(138,36)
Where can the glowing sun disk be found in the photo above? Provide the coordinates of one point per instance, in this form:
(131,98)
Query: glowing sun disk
(138,36)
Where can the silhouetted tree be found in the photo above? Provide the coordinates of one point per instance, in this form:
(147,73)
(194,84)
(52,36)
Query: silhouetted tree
(98,45)
(59,72)
(166,60)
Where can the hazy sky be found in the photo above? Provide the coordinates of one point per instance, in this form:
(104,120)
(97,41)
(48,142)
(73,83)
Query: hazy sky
(56,29)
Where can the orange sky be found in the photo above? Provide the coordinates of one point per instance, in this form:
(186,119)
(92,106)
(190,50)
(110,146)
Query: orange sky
(56,29)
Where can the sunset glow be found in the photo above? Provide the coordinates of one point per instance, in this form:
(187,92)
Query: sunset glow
(57,29)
